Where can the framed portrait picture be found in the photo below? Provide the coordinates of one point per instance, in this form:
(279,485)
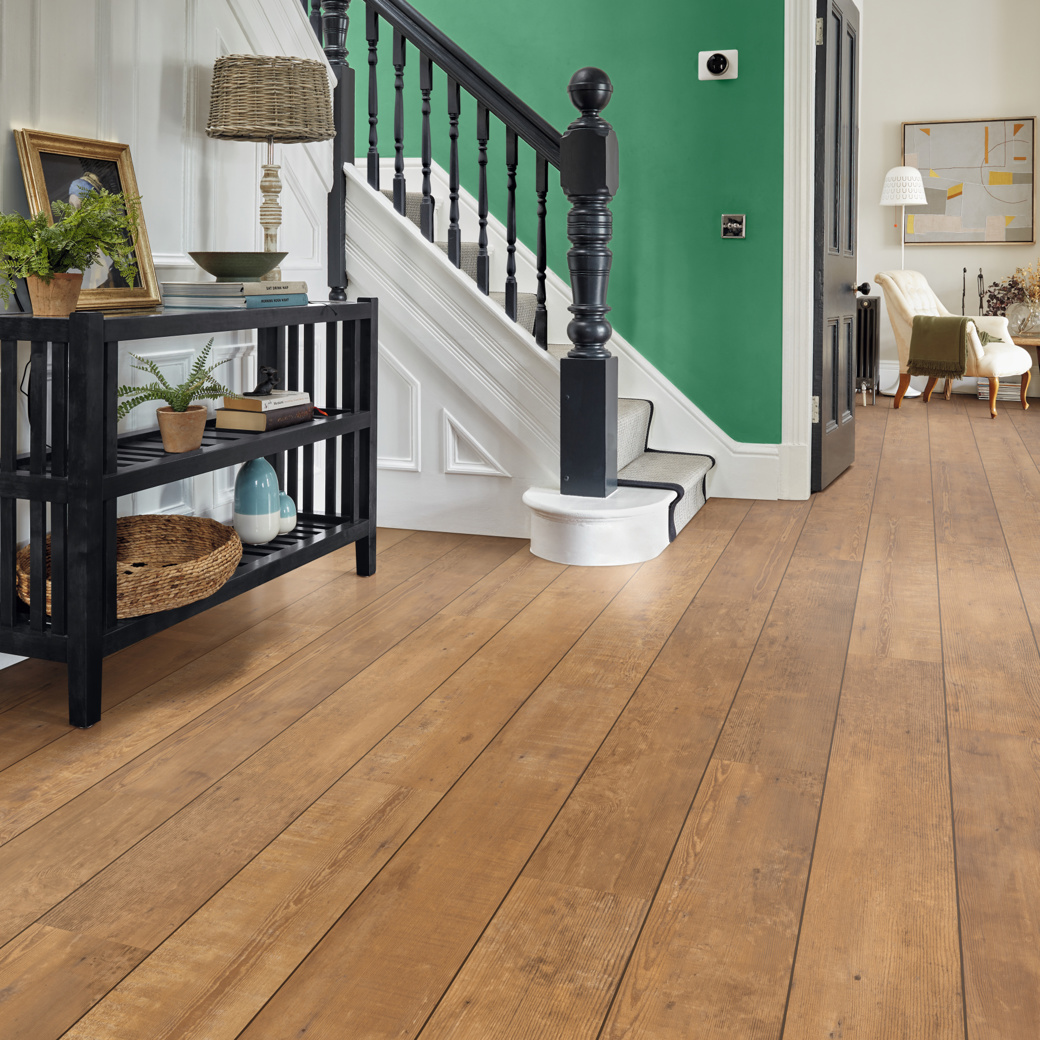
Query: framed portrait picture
(978,177)
(55,166)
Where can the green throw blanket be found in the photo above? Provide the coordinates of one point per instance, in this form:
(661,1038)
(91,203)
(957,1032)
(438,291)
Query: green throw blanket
(938,346)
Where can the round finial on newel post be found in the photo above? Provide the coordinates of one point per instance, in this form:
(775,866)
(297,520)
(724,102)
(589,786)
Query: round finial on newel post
(590,90)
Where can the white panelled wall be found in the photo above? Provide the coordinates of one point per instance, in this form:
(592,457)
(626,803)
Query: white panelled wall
(138,72)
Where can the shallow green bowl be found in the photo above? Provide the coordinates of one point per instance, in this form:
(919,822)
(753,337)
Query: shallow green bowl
(238,267)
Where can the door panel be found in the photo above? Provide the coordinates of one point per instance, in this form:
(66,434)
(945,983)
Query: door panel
(834,342)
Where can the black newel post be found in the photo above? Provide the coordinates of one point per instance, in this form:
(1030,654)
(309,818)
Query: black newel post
(334,32)
(588,374)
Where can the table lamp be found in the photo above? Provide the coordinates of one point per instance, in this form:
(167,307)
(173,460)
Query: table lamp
(283,100)
(903,187)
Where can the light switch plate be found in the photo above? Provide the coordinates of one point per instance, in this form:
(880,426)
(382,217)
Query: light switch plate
(731,67)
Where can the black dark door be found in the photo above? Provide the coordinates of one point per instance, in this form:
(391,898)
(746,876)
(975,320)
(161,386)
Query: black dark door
(834,338)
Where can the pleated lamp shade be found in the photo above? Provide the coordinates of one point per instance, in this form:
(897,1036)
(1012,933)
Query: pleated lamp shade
(903,187)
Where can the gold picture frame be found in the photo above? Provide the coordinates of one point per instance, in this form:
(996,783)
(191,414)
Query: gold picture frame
(52,164)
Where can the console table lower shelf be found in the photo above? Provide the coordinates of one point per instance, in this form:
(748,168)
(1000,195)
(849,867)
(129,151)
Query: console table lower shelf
(313,537)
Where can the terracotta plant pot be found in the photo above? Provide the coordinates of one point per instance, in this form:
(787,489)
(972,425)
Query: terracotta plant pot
(181,431)
(56,298)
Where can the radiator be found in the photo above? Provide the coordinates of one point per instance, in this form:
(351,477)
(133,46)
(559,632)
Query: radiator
(868,312)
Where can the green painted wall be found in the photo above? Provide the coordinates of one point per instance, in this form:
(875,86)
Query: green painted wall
(706,312)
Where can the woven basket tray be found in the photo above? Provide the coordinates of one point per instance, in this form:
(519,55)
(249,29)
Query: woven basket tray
(162,562)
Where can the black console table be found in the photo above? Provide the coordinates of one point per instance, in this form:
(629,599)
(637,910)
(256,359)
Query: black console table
(77,466)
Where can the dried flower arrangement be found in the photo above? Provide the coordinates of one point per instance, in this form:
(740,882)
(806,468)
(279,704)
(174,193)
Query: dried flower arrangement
(1001,295)
(1029,278)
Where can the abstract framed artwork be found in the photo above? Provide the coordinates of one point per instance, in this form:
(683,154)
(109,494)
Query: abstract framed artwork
(55,166)
(978,176)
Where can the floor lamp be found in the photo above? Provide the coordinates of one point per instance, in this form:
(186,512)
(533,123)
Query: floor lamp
(903,187)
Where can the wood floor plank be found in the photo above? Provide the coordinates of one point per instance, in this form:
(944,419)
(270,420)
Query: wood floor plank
(42,782)
(715,956)
(996,795)
(250,805)
(1014,482)
(744,851)
(397,947)
(223,986)
(590,880)
(878,952)
(546,968)
(992,670)
(208,979)
(79,970)
(220,739)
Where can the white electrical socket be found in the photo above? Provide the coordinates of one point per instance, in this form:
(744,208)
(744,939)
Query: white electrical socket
(705,72)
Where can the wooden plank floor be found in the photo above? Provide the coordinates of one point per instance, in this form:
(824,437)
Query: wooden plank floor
(781,783)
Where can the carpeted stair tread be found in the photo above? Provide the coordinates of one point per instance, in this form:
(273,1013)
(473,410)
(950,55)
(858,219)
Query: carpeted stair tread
(412,202)
(633,424)
(525,308)
(672,469)
(469,257)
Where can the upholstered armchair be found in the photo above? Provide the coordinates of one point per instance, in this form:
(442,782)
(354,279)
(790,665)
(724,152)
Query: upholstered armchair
(908,293)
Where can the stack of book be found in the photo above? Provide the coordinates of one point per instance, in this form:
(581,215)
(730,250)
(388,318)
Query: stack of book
(270,412)
(1007,391)
(225,295)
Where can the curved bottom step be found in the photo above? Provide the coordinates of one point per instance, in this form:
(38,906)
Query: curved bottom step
(629,526)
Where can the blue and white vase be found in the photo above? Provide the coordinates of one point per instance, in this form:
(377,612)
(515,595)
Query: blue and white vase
(257,507)
(288,514)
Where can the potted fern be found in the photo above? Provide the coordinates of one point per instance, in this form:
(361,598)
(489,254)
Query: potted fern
(45,254)
(181,422)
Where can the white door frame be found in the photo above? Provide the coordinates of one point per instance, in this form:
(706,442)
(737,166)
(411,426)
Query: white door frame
(799,164)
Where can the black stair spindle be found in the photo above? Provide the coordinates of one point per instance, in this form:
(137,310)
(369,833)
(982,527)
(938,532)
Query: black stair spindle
(454,232)
(483,260)
(400,193)
(541,315)
(334,22)
(372,36)
(314,17)
(588,374)
(511,164)
(426,206)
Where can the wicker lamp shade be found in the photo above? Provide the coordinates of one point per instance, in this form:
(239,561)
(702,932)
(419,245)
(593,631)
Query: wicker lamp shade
(260,98)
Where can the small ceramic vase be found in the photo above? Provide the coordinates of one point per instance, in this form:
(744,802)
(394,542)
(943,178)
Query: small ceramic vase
(288,514)
(257,506)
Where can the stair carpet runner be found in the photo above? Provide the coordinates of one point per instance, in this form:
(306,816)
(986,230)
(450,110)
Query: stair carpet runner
(638,465)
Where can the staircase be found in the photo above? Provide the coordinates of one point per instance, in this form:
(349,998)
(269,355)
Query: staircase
(638,465)
(610,480)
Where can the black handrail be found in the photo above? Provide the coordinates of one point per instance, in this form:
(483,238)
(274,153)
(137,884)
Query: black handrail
(587,158)
(527,124)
